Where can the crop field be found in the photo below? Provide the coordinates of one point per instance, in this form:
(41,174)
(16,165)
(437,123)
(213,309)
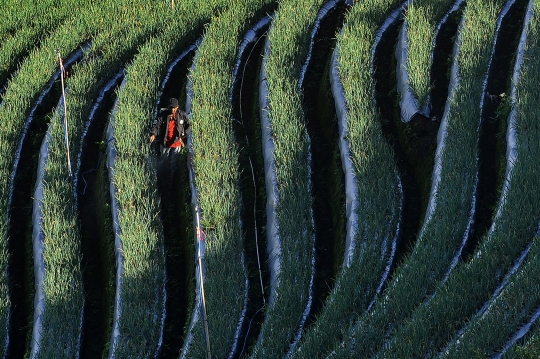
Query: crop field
(359,179)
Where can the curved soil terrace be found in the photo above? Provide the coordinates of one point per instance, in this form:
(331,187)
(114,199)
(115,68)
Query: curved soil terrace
(493,127)
(95,222)
(327,178)
(199,311)
(511,154)
(246,126)
(512,34)
(23,179)
(495,294)
(176,217)
(418,135)
(290,243)
(442,59)
(475,283)
(365,265)
(116,339)
(400,140)
(442,48)
(491,161)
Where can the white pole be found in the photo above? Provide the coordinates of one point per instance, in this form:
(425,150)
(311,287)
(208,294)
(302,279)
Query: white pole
(199,236)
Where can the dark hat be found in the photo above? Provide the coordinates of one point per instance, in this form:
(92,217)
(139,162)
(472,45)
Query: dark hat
(173,102)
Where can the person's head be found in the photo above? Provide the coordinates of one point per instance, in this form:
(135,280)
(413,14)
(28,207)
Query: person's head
(173,103)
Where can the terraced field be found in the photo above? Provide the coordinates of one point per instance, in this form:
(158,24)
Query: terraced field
(359,179)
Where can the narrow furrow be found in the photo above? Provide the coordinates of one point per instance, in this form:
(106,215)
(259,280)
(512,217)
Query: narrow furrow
(416,54)
(223,291)
(286,151)
(493,127)
(369,251)
(425,39)
(498,325)
(70,238)
(23,90)
(246,127)
(326,175)
(96,225)
(140,308)
(176,216)
(25,223)
(453,182)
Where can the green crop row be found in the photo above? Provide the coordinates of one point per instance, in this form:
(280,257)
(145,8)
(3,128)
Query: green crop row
(134,178)
(514,224)
(288,41)
(526,350)
(447,217)
(44,15)
(421,20)
(35,22)
(217,178)
(378,193)
(111,48)
(487,334)
(22,91)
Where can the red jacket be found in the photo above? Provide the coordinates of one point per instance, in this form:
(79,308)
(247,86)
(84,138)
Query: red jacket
(173,135)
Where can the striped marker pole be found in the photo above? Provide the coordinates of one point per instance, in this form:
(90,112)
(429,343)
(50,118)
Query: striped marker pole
(199,255)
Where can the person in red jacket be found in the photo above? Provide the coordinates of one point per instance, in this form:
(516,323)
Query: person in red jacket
(171,126)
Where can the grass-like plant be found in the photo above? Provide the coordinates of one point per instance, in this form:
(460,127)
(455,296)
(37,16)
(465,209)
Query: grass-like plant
(421,23)
(217,180)
(134,180)
(379,194)
(529,349)
(447,217)
(515,222)
(17,100)
(111,48)
(26,26)
(488,331)
(288,45)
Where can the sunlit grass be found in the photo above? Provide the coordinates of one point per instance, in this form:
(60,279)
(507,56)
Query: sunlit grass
(217,177)
(289,37)
(135,180)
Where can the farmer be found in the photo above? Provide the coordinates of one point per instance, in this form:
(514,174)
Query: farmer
(171,125)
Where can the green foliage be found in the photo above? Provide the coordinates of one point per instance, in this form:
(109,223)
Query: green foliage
(217,176)
(22,91)
(403,317)
(527,350)
(378,184)
(445,226)
(421,19)
(135,179)
(59,216)
(514,225)
(289,43)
